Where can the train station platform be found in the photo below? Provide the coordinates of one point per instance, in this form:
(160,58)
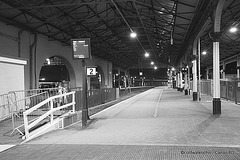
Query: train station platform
(161,123)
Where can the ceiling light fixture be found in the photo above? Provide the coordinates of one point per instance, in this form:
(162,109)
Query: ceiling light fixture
(204,52)
(233,29)
(133,34)
(146,54)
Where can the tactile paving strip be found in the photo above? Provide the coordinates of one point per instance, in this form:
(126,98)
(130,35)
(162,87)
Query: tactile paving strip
(119,152)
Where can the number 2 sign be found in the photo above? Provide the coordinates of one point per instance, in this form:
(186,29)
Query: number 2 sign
(91,71)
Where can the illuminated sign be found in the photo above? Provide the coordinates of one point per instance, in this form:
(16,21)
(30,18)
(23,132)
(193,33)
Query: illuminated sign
(91,71)
(81,48)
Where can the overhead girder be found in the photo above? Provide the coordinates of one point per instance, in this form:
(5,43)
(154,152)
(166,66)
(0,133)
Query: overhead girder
(230,15)
(196,25)
(99,20)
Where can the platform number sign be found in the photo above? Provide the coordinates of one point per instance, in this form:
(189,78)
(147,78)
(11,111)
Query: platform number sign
(91,71)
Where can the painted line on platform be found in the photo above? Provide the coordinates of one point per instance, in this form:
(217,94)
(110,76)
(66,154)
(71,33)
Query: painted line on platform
(5,147)
(128,102)
(156,109)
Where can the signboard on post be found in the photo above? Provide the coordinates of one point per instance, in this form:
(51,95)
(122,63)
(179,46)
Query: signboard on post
(81,48)
(91,71)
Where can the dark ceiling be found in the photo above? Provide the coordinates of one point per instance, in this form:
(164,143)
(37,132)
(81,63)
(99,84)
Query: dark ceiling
(165,28)
(229,42)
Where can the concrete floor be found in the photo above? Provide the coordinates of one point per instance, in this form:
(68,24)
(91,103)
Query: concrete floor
(162,118)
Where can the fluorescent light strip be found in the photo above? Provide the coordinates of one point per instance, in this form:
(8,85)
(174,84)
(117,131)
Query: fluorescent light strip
(11,60)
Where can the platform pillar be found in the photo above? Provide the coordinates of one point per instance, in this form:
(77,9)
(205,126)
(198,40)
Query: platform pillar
(194,71)
(216,73)
(186,82)
(216,80)
(180,80)
(177,78)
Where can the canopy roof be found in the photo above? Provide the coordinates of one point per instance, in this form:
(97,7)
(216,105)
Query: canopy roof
(165,28)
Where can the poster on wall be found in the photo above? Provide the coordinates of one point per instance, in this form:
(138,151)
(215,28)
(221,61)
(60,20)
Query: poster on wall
(81,48)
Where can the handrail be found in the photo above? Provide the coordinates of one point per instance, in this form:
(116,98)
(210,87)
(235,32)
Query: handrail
(48,113)
(4,105)
(39,89)
(14,102)
(28,126)
(136,87)
(46,101)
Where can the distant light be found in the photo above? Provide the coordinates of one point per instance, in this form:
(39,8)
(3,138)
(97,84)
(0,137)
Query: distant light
(173,69)
(155,67)
(233,29)
(171,41)
(48,61)
(152,63)
(140,73)
(146,54)
(133,35)
(204,52)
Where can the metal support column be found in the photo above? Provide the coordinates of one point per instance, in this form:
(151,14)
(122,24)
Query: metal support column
(238,67)
(188,70)
(216,80)
(199,70)
(186,82)
(224,73)
(194,71)
(207,72)
(216,59)
(119,78)
(180,80)
(177,78)
(125,80)
(84,95)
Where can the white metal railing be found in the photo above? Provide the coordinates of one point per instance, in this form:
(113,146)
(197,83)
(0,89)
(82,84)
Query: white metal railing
(136,87)
(17,95)
(9,100)
(30,124)
(20,105)
(14,103)
(4,107)
(206,86)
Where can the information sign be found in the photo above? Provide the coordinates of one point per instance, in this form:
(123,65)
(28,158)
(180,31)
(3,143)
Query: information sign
(81,48)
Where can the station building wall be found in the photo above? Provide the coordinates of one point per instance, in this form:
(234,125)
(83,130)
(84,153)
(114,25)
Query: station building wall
(16,43)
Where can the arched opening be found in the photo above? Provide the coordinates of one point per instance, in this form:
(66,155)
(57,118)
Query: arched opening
(54,71)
